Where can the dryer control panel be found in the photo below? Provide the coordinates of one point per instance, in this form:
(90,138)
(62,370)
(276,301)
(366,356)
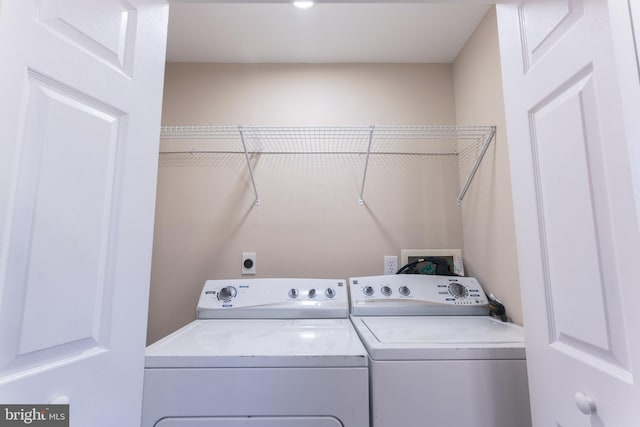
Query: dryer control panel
(417,295)
(274,299)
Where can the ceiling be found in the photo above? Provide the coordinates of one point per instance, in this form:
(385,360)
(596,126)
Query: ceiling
(325,33)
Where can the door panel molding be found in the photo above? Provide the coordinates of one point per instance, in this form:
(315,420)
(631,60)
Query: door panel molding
(634,16)
(558,17)
(112,41)
(576,233)
(70,150)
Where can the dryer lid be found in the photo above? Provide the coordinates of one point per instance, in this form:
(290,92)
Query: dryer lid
(259,343)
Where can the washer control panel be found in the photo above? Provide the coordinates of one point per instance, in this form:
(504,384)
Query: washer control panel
(273,298)
(415,294)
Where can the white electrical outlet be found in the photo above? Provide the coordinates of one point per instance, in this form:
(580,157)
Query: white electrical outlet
(248,263)
(390,264)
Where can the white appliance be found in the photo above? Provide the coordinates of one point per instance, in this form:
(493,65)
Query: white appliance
(262,353)
(436,358)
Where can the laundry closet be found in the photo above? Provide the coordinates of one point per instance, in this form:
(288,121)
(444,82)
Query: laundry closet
(309,222)
(82,86)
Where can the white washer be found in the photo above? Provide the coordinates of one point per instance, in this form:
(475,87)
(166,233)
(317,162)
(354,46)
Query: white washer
(263,353)
(436,358)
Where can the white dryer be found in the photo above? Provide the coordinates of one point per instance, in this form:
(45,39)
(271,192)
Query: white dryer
(262,353)
(436,358)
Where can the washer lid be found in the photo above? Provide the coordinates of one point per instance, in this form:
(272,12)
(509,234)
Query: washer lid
(440,337)
(442,330)
(259,343)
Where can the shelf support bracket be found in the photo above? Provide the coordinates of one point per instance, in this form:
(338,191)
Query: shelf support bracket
(366,166)
(246,156)
(476,165)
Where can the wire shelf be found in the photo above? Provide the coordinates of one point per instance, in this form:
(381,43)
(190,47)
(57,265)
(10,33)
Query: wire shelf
(466,142)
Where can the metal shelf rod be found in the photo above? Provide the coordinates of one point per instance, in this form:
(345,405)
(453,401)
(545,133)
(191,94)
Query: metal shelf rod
(246,155)
(366,165)
(476,165)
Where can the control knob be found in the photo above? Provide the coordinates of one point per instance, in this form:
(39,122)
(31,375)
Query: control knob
(457,290)
(227,293)
(386,291)
(368,290)
(404,291)
(312,293)
(293,293)
(330,293)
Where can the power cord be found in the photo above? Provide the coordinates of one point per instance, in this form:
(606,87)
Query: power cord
(496,308)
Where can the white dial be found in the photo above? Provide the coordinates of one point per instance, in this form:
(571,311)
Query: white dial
(458,290)
(293,293)
(386,291)
(368,290)
(312,293)
(404,291)
(330,293)
(227,293)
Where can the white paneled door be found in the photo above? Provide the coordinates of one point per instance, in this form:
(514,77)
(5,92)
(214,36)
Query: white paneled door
(81,89)
(576,219)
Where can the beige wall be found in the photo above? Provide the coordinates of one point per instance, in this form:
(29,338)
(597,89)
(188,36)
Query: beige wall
(489,249)
(308,94)
(309,223)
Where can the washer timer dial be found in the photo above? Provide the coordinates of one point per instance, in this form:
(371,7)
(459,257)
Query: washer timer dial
(458,290)
(227,293)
